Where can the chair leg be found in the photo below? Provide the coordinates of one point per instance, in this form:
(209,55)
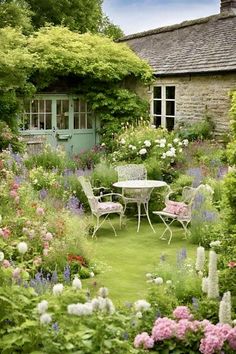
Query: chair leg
(98,226)
(108,219)
(147,214)
(139,215)
(166,229)
(185,227)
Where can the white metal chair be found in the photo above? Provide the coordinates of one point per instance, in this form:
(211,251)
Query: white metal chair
(129,173)
(179,211)
(99,208)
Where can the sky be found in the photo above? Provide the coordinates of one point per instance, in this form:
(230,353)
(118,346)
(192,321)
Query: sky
(140,15)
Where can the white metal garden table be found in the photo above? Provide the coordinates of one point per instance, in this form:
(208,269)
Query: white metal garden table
(143,189)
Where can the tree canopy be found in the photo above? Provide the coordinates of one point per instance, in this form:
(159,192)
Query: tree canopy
(78,15)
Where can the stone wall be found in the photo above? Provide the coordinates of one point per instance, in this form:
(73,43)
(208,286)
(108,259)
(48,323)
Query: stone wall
(199,95)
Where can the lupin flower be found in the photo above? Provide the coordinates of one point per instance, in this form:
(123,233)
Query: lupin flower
(57,289)
(200,261)
(225,309)
(213,279)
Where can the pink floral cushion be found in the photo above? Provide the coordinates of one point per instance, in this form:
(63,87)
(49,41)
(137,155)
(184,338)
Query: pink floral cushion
(176,208)
(109,207)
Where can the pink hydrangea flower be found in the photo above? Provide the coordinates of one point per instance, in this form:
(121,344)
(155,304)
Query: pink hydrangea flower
(182,327)
(5,233)
(15,186)
(16,273)
(143,341)
(40,211)
(231,338)
(182,313)
(211,344)
(48,236)
(6,263)
(164,328)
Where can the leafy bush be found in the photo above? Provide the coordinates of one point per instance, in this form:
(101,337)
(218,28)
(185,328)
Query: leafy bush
(50,159)
(88,159)
(199,130)
(9,138)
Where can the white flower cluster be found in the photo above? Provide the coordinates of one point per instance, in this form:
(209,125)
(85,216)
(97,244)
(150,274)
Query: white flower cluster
(1,256)
(100,303)
(141,306)
(132,147)
(213,279)
(215,244)
(57,289)
(76,283)
(45,317)
(22,247)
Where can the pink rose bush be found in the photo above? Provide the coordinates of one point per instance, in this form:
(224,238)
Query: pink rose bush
(184,330)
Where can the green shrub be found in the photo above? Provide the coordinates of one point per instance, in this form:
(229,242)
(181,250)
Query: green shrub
(9,138)
(88,159)
(50,159)
(200,130)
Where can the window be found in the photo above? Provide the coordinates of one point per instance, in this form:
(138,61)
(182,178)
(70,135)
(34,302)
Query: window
(82,115)
(163,106)
(63,113)
(37,115)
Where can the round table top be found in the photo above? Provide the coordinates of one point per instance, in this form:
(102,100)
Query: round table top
(144,183)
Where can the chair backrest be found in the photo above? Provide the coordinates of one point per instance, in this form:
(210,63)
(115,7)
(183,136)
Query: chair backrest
(88,191)
(131,172)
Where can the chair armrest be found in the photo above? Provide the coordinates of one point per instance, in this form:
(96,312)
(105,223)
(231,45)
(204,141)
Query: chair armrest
(110,195)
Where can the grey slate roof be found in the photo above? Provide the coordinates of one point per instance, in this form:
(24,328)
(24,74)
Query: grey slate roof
(199,46)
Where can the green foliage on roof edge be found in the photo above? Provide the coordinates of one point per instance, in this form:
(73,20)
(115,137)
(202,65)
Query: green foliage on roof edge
(29,64)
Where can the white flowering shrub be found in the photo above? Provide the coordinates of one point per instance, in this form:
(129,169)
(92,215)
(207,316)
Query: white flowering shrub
(157,148)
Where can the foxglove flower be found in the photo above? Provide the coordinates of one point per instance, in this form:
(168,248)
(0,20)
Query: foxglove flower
(200,261)
(213,279)
(225,309)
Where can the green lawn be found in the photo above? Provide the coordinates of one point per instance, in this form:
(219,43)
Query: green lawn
(129,256)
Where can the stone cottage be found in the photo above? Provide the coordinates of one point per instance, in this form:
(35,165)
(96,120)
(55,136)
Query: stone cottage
(194,63)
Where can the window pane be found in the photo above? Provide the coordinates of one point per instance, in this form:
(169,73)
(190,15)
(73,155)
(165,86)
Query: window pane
(157,107)
(170,108)
(76,120)
(65,106)
(34,106)
(62,114)
(48,121)
(157,121)
(48,106)
(76,105)
(41,106)
(82,106)
(170,92)
(82,121)
(34,121)
(89,121)
(157,92)
(170,123)
(26,122)
(41,121)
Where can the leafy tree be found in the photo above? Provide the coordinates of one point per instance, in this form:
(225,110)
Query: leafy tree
(62,52)
(15,14)
(109,29)
(15,60)
(78,15)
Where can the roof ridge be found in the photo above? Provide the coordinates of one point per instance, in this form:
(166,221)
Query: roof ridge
(176,26)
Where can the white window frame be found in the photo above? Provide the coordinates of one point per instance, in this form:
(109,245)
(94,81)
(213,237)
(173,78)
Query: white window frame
(163,100)
(71,112)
